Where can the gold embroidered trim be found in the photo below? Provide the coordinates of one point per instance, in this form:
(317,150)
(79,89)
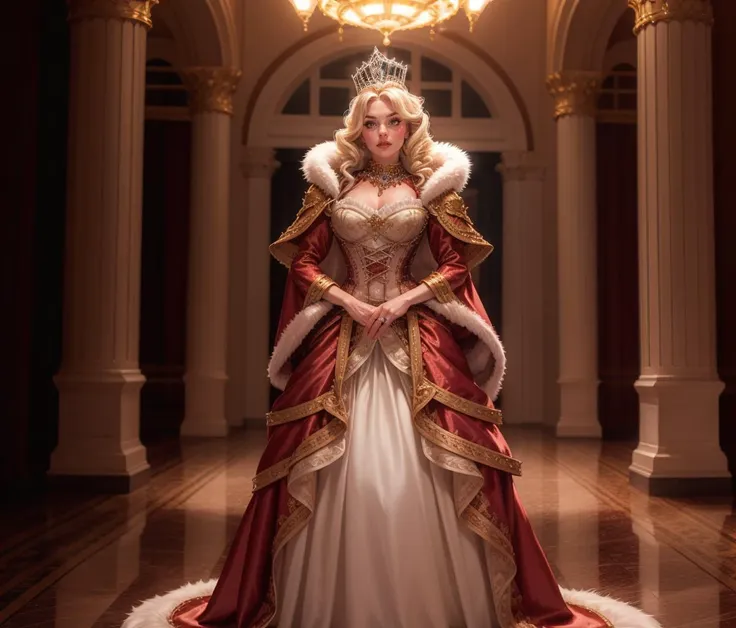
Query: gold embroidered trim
(343,352)
(440,287)
(456,444)
(477,411)
(486,528)
(603,618)
(327,401)
(321,438)
(452,214)
(317,289)
(415,348)
(293,523)
(422,390)
(314,203)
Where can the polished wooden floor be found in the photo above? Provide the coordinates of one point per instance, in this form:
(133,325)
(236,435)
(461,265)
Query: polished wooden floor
(74,561)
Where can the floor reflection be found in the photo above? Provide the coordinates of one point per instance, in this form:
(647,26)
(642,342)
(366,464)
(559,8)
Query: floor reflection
(76,561)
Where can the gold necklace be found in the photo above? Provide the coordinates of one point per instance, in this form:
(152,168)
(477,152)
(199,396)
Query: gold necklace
(384,176)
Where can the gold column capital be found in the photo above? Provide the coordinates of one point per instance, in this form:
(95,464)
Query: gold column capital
(575,92)
(650,12)
(133,10)
(211,88)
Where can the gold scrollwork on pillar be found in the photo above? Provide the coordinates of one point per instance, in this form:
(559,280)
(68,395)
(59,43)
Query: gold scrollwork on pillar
(133,10)
(211,89)
(575,93)
(649,12)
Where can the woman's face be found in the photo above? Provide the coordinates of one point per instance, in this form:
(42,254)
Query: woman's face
(384,132)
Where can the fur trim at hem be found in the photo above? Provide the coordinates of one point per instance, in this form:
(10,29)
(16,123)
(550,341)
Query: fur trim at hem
(292,336)
(460,314)
(155,612)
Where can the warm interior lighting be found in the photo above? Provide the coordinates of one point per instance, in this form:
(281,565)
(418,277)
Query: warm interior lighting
(390,16)
(473,9)
(304,9)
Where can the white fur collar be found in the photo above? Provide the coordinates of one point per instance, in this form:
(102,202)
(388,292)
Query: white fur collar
(450,164)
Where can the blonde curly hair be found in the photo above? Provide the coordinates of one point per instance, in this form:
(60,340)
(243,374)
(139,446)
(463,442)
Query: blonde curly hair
(416,154)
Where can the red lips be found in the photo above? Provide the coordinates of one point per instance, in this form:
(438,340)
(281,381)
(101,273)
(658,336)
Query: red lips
(383,144)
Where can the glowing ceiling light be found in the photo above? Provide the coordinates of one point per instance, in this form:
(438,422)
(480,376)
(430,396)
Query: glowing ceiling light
(390,16)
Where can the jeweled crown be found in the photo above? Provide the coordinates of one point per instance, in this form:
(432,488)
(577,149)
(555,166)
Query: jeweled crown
(378,70)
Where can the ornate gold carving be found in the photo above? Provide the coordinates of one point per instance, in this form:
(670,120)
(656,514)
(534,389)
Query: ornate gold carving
(317,289)
(468,449)
(452,214)
(441,288)
(211,89)
(650,12)
(133,10)
(314,203)
(575,93)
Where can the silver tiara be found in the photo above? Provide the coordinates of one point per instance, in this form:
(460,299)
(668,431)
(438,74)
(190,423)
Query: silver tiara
(379,69)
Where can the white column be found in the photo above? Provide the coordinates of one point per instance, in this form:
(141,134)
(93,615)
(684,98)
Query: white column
(575,102)
(99,381)
(523,287)
(248,398)
(679,387)
(211,91)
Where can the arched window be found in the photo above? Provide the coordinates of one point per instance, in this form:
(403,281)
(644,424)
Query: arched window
(617,98)
(329,88)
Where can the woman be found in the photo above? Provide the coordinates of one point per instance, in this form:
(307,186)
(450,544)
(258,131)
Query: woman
(384,497)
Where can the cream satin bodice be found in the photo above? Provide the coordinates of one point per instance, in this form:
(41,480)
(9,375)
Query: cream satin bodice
(379,245)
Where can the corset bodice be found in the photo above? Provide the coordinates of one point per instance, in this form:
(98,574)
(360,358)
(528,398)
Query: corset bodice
(379,245)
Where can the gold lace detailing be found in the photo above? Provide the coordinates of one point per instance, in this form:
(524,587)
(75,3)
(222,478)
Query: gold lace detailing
(440,287)
(422,391)
(321,438)
(328,401)
(343,352)
(477,411)
(428,428)
(452,214)
(317,289)
(315,202)
(383,176)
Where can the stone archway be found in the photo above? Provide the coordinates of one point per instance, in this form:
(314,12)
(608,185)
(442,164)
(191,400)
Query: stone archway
(579,33)
(205,32)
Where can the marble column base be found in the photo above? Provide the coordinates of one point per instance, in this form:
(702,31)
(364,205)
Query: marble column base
(99,444)
(578,410)
(679,451)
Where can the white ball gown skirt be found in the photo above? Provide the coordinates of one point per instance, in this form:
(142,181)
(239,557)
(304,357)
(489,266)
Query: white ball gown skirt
(384,546)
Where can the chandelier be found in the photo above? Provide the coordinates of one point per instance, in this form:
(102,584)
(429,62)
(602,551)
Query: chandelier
(389,16)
